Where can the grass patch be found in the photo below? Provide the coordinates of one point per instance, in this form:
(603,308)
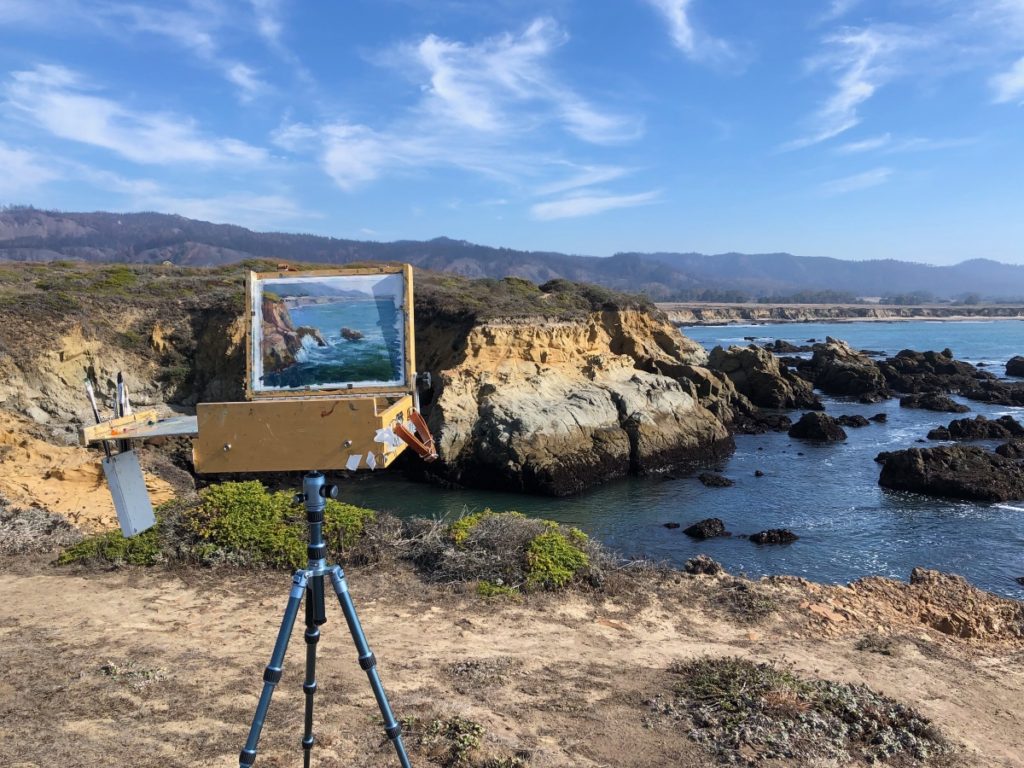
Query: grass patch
(744,601)
(744,712)
(555,557)
(114,549)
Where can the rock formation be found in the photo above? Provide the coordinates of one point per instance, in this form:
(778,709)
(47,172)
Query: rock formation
(774,536)
(1013,449)
(706,529)
(556,407)
(979,428)
(838,369)
(856,421)
(715,480)
(758,375)
(1015,366)
(913,372)
(933,401)
(817,426)
(954,471)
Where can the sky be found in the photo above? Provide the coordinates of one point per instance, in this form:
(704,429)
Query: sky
(847,128)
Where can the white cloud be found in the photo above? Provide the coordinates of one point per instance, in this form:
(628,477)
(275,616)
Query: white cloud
(23,172)
(856,182)
(268,20)
(588,205)
(502,85)
(839,8)
(693,43)
(59,101)
(584,176)
(1009,85)
(862,60)
(245,78)
(865,145)
(244,209)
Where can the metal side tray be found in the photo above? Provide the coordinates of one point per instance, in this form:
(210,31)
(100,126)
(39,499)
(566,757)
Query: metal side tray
(128,488)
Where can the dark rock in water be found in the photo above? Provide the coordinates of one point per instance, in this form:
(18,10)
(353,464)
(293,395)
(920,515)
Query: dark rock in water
(1020,580)
(811,341)
(714,480)
(953,471)
(817,426)
(912,372)
(1014,449)
(933,401)
(782,347)
(750,338)
(758,473)
(881,457)
(671,526)
(872,352)
(756,373)
(702,565)
(350,334)
(774,536)
(872,397)
(1015,366)
(854,421)
(880,418)
(706,529)
(981,364)
(838,369)
(799,453)
(922,440)
(979,428)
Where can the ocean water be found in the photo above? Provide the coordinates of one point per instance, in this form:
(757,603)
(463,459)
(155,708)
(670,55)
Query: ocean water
(828,494)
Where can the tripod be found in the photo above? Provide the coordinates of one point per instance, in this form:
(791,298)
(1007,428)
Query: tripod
(310,583)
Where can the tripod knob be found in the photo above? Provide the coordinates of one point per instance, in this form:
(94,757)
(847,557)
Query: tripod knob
(298,498)
(329,491)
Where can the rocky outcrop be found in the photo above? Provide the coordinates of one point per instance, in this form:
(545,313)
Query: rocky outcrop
(715,480)
(708,313)
(556,407)
(915,372)
(817,426)
(979,428)
(702,565)
(774,536)
(838,369)
(280,339)
(1013,449)
(706,529)
(1015,366)
(933,401)
(856,421)
(953,471)
(756,373)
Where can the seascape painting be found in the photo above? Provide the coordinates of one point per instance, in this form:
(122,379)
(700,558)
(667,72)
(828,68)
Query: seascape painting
(328,332)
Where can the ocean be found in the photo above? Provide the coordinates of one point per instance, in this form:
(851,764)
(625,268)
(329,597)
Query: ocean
(827,494)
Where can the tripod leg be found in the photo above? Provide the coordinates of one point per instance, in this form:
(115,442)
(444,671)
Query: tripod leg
(272,674)
(314,617)
(368,663)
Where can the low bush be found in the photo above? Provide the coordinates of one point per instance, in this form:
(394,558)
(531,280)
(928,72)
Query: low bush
(237,523)
(736,707)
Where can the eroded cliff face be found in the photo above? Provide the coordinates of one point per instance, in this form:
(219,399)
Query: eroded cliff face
(556,407)
(718,314)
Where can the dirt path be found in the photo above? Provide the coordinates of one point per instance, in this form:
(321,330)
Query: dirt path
(148,668)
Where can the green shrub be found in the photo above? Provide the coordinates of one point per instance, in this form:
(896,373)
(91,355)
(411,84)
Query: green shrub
(240,523)
(554,558)
(112,547)
(485,588)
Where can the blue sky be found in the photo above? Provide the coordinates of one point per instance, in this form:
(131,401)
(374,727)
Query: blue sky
(847,128)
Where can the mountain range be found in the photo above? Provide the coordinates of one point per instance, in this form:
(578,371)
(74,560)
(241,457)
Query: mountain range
(30,234)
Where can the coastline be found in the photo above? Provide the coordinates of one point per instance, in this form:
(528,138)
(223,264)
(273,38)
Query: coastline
(721,313)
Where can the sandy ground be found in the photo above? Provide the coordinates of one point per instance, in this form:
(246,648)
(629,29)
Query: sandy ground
(67,479)
(162,667)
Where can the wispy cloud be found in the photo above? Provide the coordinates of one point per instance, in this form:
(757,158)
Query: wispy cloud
(61,102)
(695,45)
(856,182)
(588,205)
(1009,85)
(862,61)
(865,145)
(244,209)
(839,8)
(24,172)
(503,84)
(194,27)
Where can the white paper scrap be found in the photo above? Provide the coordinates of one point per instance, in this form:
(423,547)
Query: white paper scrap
(353,462)
(371,461)
(387,436)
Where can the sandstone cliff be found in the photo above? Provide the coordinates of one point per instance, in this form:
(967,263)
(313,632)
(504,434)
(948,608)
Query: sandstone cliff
(558,406)
(717,314)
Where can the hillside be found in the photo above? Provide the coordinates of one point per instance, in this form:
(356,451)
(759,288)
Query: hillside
(28,234)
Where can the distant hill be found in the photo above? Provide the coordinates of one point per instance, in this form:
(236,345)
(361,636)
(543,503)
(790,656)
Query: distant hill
(29,234)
